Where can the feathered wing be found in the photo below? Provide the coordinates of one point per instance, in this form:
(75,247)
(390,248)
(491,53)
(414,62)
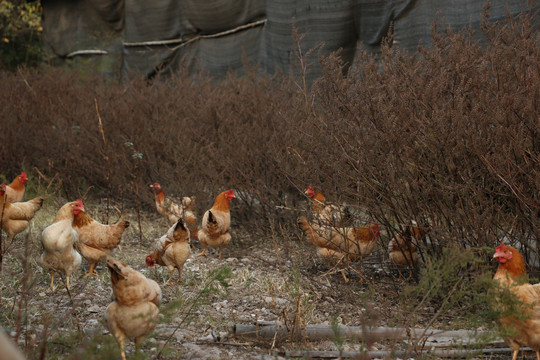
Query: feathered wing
(25,210)
(174,208)
(318,235)
(333,215)
(97,235)
(351,242)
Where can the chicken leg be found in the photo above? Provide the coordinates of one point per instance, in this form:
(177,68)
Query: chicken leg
(138,342)
(170,277)
(122,349)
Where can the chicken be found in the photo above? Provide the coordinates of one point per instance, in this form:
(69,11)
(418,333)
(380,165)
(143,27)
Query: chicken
(96,240)
(214,230)
(133,314)
(167,207)
(525,326)
(10,351)
(190,219)
(341,247)
(172,250)
(15,190)
(17,215)
(328,214)
(172,210)
(59,240)
(402,249)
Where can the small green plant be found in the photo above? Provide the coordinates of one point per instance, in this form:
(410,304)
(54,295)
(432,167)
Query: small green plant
(339,340)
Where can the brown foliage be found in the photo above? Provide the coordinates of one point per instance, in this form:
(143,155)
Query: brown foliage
(447,136)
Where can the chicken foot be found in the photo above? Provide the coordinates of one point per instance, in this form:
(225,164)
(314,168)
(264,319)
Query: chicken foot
(401,277)
(170,277)
(52,282)
(91,271)
(203,252)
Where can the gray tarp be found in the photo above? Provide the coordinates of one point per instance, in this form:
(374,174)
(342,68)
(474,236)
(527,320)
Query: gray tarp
(119,37)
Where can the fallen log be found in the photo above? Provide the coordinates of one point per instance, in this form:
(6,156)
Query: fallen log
(306,354)
(276,330)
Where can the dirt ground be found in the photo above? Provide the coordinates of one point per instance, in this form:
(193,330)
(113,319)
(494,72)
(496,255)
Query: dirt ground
(259,278)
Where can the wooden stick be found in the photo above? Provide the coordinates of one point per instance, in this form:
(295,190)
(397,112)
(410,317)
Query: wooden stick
(321,332)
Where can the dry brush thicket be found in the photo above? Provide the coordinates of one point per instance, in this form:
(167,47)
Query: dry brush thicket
(447,136)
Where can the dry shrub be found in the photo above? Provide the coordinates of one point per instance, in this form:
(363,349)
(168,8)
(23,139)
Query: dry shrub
(448,136)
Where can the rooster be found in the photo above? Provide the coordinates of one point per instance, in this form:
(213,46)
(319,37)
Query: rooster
(328,214)
(15,190)
(133,314)
(402,249)
(342,246)
(96,240)
(15,216)
(525,326)
(172,250)
(172,210)
(214,231)
(59,239)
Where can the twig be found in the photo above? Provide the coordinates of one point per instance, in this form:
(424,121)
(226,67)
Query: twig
(107,162)
(2,247)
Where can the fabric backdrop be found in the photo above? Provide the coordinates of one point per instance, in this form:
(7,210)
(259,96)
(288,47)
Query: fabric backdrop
(118,38)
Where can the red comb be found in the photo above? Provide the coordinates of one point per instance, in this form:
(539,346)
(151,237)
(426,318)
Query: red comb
(498,248)
(23,174)
(80,202)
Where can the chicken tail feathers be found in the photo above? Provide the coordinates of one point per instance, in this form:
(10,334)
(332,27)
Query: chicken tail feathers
(211,217)
(115,270)
(180,225)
